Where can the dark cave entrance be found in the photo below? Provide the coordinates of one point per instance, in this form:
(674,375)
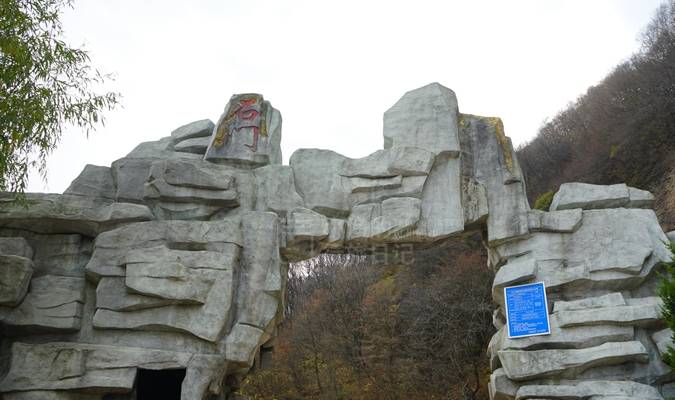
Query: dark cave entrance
(162,384)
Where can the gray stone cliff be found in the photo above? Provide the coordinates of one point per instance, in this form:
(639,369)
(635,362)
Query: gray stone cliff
(176,256)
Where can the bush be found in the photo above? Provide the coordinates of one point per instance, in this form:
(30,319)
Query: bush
(543,202)
(667,294)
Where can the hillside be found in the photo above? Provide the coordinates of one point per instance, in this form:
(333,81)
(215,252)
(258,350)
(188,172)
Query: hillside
(359,329)
(621,130)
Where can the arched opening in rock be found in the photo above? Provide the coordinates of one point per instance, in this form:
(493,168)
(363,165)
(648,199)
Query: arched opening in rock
(164,384)
(396,318)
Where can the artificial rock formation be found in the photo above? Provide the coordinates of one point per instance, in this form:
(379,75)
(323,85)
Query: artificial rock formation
(176,256)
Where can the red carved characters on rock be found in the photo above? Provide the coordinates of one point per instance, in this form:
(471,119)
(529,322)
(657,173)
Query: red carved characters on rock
(245,112)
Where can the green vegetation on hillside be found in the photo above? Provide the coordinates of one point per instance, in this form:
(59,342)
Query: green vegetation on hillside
(355,330)
(667,294)
(621,130)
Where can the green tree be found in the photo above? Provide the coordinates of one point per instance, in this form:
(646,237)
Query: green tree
(45,85)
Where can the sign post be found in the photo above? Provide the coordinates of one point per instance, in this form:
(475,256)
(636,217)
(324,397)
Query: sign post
(526,310)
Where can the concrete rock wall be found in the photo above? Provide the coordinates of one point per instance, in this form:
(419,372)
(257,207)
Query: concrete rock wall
(176,256)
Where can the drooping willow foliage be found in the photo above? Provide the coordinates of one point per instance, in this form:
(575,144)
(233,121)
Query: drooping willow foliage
(45,85)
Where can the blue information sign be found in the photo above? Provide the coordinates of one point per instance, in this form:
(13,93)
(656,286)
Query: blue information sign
(527,310)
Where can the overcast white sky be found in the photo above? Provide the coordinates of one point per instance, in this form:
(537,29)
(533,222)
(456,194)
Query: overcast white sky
(333,67)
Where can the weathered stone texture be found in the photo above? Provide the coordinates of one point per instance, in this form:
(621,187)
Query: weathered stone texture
(53,303)
(177,189)
(492,163)
(93,181)
(525,365)
(15,274)
(275,189)
(177,255)
(248,133)
(591,260)
(54,213)
(190,265)
(425,118)
(600,390)
(197,129)
(588,197)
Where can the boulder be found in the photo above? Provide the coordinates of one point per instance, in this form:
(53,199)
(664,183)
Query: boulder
(186,277)
(93,181)
(581,390)
(112,294)
(475,203)
(155,149)
(374,184)
(377,190)
(205,321)
(15,246)
(248,133)
(589,197)
(517,271)
(604,301)
(257,302)
(197,129)
(336,233)
(60,213)
(663,340)
(392,220)
(189,265)
(612,249)
(425,118)
(63,255)
(80,366)
(441,209)
(525,365)
(198,175)
(317,182)
(53,304)
(334,195)
(304,224)
(242,344)
(501,387)
(130,175)
(194,145)
(15,274)
(566,221)
(629,315)
(185,235)
(276,192)
(397,161)
(579,337)
(640,198)
(190,190)
(490,160)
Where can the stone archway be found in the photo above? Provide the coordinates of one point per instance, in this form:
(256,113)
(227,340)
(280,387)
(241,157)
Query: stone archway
(175,256)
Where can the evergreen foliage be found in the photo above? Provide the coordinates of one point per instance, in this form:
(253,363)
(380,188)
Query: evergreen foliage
(667,294)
